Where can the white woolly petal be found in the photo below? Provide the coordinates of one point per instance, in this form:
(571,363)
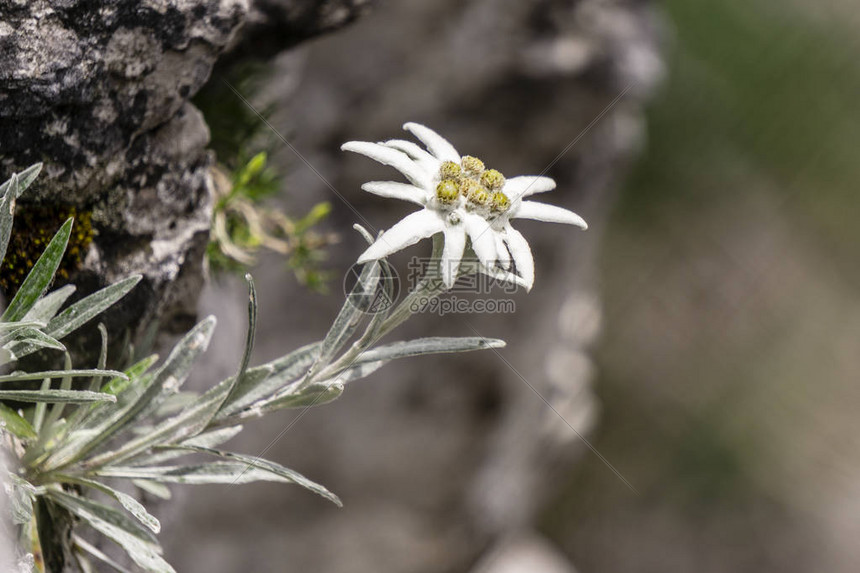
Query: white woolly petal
(392,157)
(408,231)
(427,162)
(436,144)
(522,255)
(547,213)
(525,185)
(452,253)
(504,276)
(483,238)
(394,190)
(502,251)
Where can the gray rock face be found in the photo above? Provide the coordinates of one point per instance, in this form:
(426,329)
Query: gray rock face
(98,91)
(274,25)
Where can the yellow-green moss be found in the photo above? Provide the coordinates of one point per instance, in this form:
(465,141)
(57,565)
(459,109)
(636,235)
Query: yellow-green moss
(35,226)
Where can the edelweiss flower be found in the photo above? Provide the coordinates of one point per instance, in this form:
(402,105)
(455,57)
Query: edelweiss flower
(461,198)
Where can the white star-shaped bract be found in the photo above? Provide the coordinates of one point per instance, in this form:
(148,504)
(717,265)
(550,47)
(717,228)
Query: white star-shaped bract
(460,199)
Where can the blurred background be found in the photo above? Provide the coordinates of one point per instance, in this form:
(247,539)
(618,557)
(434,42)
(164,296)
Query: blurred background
(729,365)
(704,334)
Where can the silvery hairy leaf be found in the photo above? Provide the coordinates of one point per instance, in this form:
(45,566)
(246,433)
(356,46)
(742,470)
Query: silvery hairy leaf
(39,277)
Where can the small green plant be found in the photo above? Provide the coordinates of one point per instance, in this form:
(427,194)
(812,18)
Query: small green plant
(244,223)
(242,226)
(71,433)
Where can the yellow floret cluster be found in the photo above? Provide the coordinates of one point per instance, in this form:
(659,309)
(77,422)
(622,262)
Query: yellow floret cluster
(470,179)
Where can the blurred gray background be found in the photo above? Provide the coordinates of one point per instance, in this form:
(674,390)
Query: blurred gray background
(704,334)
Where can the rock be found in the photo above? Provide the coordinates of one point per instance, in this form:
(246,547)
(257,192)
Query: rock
(99,93)
(275,25)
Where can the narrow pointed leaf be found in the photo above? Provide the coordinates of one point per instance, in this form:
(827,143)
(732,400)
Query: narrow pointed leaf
(134,507)
(228,473)
(41,407)
(188,423)
(22,376)
(249,339)
(144,395)
(16,424)
(271,467)
(160,491)
(7,329)
(49,305)
(88,308)
(26,338)
(315,394)
(83,545)
(432,345)
(21,500)
(57,409)
(210,439)
(143,549)
(25,179)
(7,213)
(114,387)
(56,396)
(40,276)
(266,380)
(135,371)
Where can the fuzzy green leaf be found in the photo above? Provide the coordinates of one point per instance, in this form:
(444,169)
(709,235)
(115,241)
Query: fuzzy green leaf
(98,413)
(130,504)
(170,377)
(249,337)
(89,307)
(229,473)
(188,423)
(49,305)
(40,276)
(7,212)
(265,381)
(27,338)
(160,491)
(140,545)
(143,395)
(133,372)
(15,423)
(208,439)
(84,545)
(315,394)
(23,376)
(21,500)
(432,345)
(56,396)
(268,466)
(8,329)
(25,179)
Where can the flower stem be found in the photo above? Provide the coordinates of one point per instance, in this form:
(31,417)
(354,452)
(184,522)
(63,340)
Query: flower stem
(429,287)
